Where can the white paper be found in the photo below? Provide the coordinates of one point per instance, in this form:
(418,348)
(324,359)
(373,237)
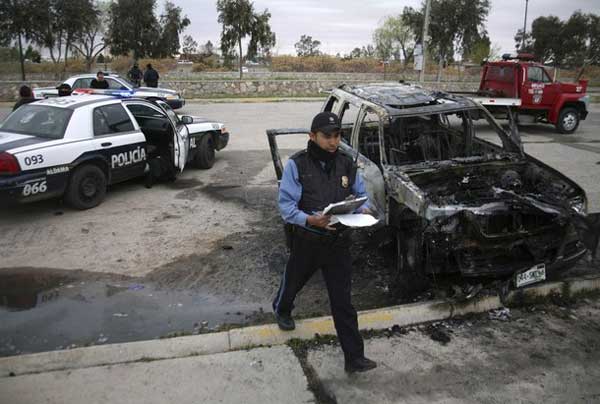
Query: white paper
(354,220)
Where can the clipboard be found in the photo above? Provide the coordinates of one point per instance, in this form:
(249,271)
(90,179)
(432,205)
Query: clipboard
(344,207)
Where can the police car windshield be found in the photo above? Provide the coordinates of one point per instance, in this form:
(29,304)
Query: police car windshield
(38,120)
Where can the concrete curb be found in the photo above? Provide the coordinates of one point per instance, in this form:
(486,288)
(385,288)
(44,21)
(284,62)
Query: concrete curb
(248,337)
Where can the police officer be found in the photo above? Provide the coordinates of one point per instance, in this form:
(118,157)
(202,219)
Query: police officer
(151,76)
(135,75)
(64,90)
(99,82)
(26,97)
(312,179)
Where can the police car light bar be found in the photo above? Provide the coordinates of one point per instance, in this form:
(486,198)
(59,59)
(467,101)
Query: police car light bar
(97,91)
(518,56)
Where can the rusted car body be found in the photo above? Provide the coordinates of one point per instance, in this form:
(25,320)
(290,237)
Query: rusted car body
(459,197)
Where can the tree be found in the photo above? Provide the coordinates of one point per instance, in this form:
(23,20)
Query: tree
(575,32)
(133,28)
(593,53)
(455,27)
(33,55)
(15,25)
(356,53)
(58,23)
(573,42)
(208,49)
(394,39)
(368,51)
(239,21)
(523,46)
(76,16)
(262,39)
(171,25)
(92,40)
(9,54)
(307,46)
(483,50)
(547,41)
(189,46)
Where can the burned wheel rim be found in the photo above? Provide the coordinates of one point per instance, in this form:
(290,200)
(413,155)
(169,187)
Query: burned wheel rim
(569,121)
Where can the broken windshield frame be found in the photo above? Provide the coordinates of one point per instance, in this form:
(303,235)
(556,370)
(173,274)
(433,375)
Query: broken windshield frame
(440,136)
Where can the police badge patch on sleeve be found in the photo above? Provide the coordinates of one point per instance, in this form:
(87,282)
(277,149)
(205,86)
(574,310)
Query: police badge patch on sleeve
(345,181)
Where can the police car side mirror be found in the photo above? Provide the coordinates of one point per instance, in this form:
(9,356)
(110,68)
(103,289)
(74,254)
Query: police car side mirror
(187,119)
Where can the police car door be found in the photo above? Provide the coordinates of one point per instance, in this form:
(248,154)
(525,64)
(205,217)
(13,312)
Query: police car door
(117,138)
(180,136)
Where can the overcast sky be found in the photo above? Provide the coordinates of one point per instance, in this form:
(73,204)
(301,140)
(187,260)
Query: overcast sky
(342,25)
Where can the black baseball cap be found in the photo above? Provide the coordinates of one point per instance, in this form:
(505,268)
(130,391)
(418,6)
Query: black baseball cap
(326,122)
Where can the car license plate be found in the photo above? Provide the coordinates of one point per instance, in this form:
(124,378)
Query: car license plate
(533,275)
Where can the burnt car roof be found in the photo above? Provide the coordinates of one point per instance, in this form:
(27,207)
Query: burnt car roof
(407,99)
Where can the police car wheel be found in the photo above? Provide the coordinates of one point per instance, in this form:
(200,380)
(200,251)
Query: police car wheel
(205,156)
(87,187)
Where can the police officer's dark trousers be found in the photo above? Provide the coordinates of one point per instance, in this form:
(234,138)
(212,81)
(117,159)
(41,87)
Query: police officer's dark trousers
(308,255)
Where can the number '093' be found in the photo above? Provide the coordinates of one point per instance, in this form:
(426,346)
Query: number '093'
(33,160)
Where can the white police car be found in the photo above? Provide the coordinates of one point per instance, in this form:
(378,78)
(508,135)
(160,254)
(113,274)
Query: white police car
(76,146)
(82,82)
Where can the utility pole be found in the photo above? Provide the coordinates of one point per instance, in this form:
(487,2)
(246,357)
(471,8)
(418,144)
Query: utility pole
(524,25)
(424,40)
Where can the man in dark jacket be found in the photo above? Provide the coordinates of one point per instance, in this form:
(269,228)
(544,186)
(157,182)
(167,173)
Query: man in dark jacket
(135,75)
(99,82)
(64,90)
(151,76)
(313,179)
(26,97)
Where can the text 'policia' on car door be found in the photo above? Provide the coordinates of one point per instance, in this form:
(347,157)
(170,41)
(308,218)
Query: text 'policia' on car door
(115,136)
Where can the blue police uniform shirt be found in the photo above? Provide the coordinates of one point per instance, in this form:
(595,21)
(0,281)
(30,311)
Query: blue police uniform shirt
(290,192)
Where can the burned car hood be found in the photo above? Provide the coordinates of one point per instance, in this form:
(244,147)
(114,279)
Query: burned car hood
(483,185)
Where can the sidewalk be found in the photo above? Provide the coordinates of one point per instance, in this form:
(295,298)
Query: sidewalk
(547,353)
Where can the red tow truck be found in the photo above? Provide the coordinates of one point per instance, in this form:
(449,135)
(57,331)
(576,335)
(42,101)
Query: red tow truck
(527,90)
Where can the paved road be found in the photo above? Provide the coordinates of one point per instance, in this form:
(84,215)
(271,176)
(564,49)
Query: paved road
(149,262)
(541,354)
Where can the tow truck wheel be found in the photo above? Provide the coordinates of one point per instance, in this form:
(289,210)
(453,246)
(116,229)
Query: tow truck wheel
(87,187)
(568,120)
(205,156)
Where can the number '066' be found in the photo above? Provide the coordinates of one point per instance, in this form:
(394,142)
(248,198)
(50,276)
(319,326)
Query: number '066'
(35,188)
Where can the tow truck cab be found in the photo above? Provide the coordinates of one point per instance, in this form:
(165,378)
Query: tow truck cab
(541,98)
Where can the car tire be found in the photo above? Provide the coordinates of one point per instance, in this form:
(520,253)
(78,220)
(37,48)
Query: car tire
(205,155)
(568,120)
(87,187)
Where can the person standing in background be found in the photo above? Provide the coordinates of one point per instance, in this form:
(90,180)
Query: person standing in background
(135,75)
(26,97)
(151,76)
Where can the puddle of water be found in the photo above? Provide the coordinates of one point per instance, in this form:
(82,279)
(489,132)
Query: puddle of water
(43,312)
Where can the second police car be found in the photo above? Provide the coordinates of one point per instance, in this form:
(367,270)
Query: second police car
(82,82)
(73,147)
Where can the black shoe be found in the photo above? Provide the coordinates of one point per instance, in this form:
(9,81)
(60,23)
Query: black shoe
(285,322)
(359,365)
(149,181)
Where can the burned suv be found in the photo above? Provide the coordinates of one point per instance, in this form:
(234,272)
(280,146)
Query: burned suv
(460,197)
